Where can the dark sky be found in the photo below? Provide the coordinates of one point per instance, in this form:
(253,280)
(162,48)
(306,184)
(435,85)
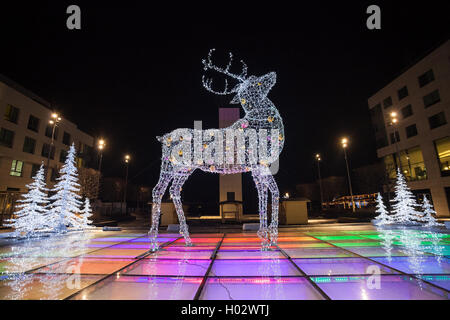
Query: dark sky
(134,70)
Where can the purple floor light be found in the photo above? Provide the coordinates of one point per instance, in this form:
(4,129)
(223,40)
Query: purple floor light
(259,289)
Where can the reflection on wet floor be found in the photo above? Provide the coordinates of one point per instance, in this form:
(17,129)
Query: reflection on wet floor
(340,263)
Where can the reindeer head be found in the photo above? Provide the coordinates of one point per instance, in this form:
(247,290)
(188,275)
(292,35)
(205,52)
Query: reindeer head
(250,91)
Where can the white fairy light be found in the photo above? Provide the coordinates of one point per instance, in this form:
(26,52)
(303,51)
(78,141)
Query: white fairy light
(383,217)
(428,213)
(66,204)
(31,217)
(86,213)
(405,204)
(214,150)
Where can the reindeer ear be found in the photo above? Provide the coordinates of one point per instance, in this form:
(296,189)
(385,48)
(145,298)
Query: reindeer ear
(235,100)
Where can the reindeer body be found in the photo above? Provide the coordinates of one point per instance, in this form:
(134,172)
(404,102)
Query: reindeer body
(260,113)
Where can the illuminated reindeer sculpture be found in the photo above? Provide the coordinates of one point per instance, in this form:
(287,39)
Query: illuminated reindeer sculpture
(185,150)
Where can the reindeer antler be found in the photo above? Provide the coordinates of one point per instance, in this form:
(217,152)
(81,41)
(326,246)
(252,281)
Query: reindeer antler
(209,65)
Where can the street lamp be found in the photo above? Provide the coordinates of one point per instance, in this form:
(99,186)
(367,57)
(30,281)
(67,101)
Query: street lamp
(344,143)
(127,160)
(100,145)
(54,120)
(318,159)
(394,121)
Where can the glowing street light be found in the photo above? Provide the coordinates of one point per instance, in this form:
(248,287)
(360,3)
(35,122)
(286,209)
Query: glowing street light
(344,142)
(394,121)
(54,120)
(100,145)
(127,161)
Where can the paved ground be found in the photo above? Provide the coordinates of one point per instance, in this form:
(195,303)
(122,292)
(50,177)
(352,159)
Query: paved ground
(311,262)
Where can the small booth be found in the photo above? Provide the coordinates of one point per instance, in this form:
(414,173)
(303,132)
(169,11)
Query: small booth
(294,211)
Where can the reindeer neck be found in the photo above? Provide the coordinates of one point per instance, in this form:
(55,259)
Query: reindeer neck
(261,116)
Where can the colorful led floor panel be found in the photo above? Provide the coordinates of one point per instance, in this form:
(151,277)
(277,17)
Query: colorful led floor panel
(315,263)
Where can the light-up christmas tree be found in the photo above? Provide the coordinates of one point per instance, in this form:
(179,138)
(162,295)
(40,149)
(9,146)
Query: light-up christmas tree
(383,217)
(428,212)
(405,204)
(31,216)
(86,213)
(64,210)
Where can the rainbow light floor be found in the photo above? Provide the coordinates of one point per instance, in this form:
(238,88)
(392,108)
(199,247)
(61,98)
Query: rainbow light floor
(343,263)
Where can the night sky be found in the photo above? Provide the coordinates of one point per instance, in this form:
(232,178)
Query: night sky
(134,71)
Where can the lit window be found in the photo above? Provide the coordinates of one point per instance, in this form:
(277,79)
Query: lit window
(412,164)
(16,168)
(443,153)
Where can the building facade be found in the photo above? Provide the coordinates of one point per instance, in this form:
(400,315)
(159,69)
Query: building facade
(411,118)
(25,138)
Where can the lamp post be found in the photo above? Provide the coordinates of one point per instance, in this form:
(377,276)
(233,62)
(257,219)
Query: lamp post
(318,159)
(55,119)
(100,145)
(344,143)
(394,121)
(127,160)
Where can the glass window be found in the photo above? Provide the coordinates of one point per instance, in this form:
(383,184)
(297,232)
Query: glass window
(395,138)
(33,123)
(407,111)
(376,116)
(437,120)
(443,153)
(16,168)
(412,164)
(79,162)
(29,145)
(411,131)
(53,175)
(11,113)
(402,93)
(390,166)
(66,138)
(431,98)
(46,150)
(34,169)
(48,131)
(62,155)
(6,138)
(387,102)
(426,78)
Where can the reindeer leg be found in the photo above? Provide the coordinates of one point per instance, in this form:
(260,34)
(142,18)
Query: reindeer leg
(261,187)
(273,228)
(175,192)
(158,193)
